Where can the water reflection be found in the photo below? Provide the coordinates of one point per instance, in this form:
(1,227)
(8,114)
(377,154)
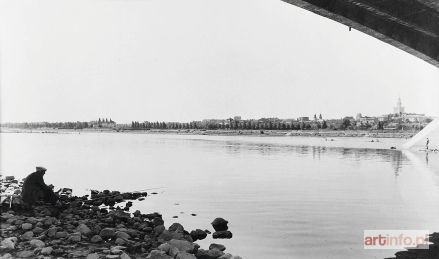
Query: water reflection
(395,157)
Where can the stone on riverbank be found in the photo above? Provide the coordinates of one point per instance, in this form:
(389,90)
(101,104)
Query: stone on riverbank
(26,226)
(84,229)
(217,246)
(222,235)
(47,250)
(182,245)
(96,239)
(25,254)
(198,234)
(37,243)
(8,243)
(158,254)
(107,233)
(27,235)
(208,254)
(220,224)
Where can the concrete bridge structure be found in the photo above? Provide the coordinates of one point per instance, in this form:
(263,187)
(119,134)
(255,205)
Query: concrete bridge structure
(411,25)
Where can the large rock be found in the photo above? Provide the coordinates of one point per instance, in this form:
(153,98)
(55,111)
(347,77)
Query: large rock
(220,224)
(107,233)
(222,235)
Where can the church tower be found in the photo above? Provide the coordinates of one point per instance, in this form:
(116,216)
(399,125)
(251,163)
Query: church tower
(399,109)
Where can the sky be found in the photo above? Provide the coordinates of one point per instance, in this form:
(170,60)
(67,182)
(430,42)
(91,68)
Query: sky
(173,60)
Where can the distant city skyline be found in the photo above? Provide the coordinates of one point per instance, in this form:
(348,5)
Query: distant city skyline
(398,109)
(192,60)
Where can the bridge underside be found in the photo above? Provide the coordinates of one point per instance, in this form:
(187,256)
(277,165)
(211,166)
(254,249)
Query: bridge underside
(411,25)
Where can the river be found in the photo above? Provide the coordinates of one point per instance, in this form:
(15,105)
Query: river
(285,197)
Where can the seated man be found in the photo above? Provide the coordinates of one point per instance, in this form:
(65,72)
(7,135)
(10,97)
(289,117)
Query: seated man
(35,190)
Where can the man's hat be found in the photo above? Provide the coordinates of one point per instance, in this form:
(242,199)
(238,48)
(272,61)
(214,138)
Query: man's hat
(41,169)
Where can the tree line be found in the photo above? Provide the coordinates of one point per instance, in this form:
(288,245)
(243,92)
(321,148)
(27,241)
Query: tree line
(231,125)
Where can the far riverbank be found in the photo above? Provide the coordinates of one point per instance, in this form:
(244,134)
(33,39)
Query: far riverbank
(262,133)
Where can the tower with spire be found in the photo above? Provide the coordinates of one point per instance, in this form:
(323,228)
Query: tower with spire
(399,109)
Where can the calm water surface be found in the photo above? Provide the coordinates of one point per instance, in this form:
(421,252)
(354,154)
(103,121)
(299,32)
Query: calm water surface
(285,197)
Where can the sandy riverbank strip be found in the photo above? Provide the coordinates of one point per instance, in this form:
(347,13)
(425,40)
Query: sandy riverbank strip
(278,133)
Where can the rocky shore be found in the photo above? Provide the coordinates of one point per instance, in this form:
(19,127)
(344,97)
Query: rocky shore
(95,226)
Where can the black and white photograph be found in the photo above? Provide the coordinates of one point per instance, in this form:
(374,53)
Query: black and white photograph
(219,129)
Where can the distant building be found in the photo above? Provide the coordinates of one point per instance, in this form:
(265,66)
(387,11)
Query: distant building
(303,119)
(383,118)
(414,118)
(350,118)
(399,109)
(103,123)
(237,118)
